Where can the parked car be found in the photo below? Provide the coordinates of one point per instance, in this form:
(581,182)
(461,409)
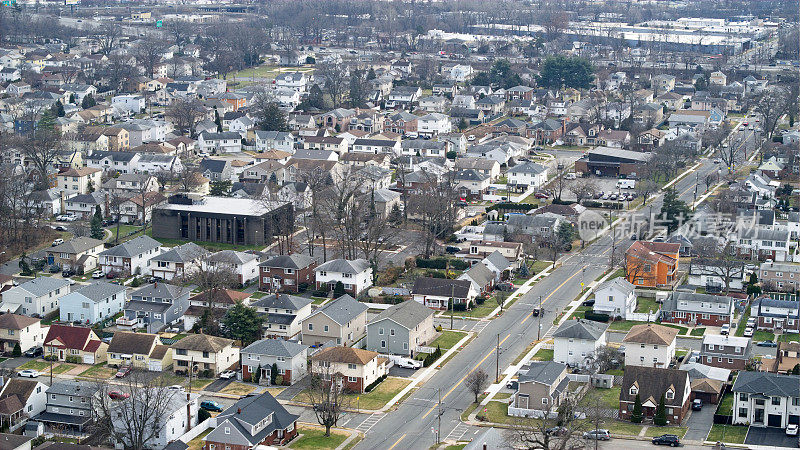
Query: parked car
(60,228)
(513,384)
(55,268)
(556,431)
(505,286)
(452,249)
(697,404)
(791,429)
(227,375)
(725,330)
(408,363)
(28,373)
(541,195)
(34,352)
(97,274)
(600,435)
(117,395)
(175,387)
(66,273)
(210,405)
(58,241)
(748,332)
(123,371)
(767,344)
(667,439)
(111,275)
(320,406)
(589,302)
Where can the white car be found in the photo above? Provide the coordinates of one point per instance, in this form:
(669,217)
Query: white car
(407,363)
(97,274)
(791,429)
(58,241)
(175,387)
(725,329)
(228,374)
(748,332)
(570,176)
(471,137)
(29,373)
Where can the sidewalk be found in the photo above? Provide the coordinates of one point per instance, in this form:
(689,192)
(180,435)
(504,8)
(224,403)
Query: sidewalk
(520,291)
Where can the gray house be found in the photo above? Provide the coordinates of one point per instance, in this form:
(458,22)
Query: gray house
(400,329)
(542,387)
(69,404)
(343,320)
(154,307)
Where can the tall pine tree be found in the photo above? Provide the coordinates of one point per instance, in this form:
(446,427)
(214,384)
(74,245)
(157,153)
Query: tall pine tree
(636,414)
(660,418)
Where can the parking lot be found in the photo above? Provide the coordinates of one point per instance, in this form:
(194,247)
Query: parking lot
(604,185)
(772,437)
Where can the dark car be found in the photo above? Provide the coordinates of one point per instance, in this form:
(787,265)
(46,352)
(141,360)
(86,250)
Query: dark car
(111,275)
(55,268)
(210,405)
(697,404)
(667,439)
(513,384)
(321,406)
(556,431)
(506,287)
(34,352)
(67,273)
(589,302)
(451,249)
(541,195)
(767,344)
(536,312)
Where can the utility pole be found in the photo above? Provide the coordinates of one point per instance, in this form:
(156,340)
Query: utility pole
(539,333)
(439,428)
(497,360)
(452,303)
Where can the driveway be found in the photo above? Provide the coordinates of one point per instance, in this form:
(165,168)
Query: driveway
(772,437)
(699,424)
(219,384)
(396,371)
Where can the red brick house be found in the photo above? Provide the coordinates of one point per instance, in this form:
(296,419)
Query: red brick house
(726,352)
(352,367)
(689,308)
(650,383)
(251,422)
(285,273)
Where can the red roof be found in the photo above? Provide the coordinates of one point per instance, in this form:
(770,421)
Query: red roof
(69,337)
(662,247)
(92,346)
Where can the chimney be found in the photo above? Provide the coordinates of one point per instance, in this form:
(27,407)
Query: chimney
(238,410)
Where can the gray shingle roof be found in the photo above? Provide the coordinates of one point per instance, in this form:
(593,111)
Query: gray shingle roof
(281,301)
(250,410)
(342,310)
(528,167)
(43,285)
(100,291)
(619,283)
(344,266)
(182,253)
(497,260)
(231,257)
(293,261)
(77,245)
(441,287)
(545,372)
(160,290)
(408,314)
(581,329)
(134,247)
(766,383)
(480,274)
(275,347)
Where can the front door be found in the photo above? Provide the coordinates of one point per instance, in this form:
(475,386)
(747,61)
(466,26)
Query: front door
(758,416)
(61,354)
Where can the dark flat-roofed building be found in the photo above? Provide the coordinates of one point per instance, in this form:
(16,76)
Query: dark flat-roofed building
(608,161)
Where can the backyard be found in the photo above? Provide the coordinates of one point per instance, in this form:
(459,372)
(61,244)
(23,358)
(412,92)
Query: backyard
(647,305)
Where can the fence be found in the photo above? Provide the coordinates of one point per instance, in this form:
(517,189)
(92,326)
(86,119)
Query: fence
(643,317)
(516,198)
(581,378)
(196,431)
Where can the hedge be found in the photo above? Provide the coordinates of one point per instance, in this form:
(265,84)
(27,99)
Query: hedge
(597,317)
(375,383)
(509,206)
(442,263)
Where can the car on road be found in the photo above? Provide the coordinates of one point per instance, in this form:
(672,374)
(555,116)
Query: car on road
(60,228)
(175,387)
(117,395)
(600,435)
(34,352)
(123,371)
(697,404)
(28,373)
(725,330)
(210,405)
(227,375)
(97,274)
(471,137)
(791,429)
(667,439)
(536,312)
(767,344)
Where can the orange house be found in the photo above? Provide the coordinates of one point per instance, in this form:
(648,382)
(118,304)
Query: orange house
(652,264)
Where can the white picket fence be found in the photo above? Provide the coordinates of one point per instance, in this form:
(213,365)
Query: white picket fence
(643,317)
(196,431)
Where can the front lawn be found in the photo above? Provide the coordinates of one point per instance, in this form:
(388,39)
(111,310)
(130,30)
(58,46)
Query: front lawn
(621,427)
(789,337)
(197,443)
(697,331)
(654,431)
(257,294)
(623,325)
(733,434)
(447,339)
(236,388)
(35,365)
(608,398)
(199,384)
(99,371)
(681,330)
(124,232)
(479,311)
(646,305)
(762,335)
(496,412)
(372,400)
(314,438)
(539,266)
(543,355)
(62,368)
(580,312)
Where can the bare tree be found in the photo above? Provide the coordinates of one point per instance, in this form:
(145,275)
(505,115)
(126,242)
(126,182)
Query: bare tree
(773,104)
(190,178)
(326,394)
(211,277)
(718,258)
(107,37)
(476,382)
(558,428)
(605,358)
(148,54)
(562,167)
(185,113)
(583,188)
(432,205)
(335,75)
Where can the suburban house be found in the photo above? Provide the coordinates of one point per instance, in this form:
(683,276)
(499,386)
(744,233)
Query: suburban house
(542,388)
(180,412)
(353,368)
(776,315)
(437,293)
(252,422)
(154,307)
(93,303)
(650,345)
(400,329)
(70,405)
(79,254)
(23,330)
(355,275)
(525,175)
(343,320)
(787,358)
(140,350)
(38,296)
(21,399)
(131,257)
(481,277)
(500,266)
(210,353)
(779,276)
(290,358)
(764,399)
(219,143)
(79,181)
(700,309)
(243,265)
(79,344)
(178,262)
(283,314)
(615,297)
(576,339)
(652,264)
(650,384)
(286,273)
(727,352)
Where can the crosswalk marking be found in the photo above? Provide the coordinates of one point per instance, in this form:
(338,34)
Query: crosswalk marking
(369,422)
(457,433)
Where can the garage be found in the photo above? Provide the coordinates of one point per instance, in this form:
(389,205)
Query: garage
(88,358)
(794,419)
(774,420)
(154,365)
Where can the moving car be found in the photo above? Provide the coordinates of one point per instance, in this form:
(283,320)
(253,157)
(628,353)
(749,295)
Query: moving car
(667,439)
(34,352)
(227,375)
(210,405)
(600,435)
(767,344)
(697,404)
(29,373)
(123,371)
(117,395)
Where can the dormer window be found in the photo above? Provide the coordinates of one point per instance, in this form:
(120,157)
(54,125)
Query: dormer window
(670,394)
(634,390)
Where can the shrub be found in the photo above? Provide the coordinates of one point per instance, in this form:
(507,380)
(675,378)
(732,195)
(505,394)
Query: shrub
(480,300)
(480,417)
(136,282)
(17,350)
(279,380)
(390,275)
(302,287)
(410,263)
(435,274)
(597,317)
(338,289)
(202,415)
(592,204)
(319,293)
(72,359)
(436,263)
(439,328)
(375,383)
(459,264)
(459,307)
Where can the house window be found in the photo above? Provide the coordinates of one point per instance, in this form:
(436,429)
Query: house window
(544,400)
(380,331)
(742,412)
(776,401)
(351,366)
(634,390)
(670,395)
(383,344)
(352,379)
(326,328)
(310,326)
(391,332)
(742,397)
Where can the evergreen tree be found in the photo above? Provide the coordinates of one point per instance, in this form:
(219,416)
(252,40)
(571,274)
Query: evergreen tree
(462,124)
(96,231)
(273,373)
(217,121)
(338,289)
(674,212)
(371,74)
(58,109)
(256,377)
(17,352)
(88,101)
(47,122)
(566,72)
(243,323)
(636,414)
(315,98)
(72,98)
(220,188)
(660,418)
(272,118)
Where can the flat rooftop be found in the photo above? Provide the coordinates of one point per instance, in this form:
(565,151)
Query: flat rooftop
(226,205)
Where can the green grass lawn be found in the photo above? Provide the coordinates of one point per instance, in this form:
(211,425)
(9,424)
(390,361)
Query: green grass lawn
(447,339)
(609,398)
(124,230)
(314,438)
(100,371)
(539,266)
(455,447)
(681,330)
(761,335)
(63,368)
(621,427)
(654,431)
(646,305)
(623,325)
(478,311)
(35,365)
(619,372)
(580,313)
(543,355)
(318,300)
(496,412)
(258,294)
(742,322)
(697,331)
(726,405)
(789,337)
(372,400)
(733,434)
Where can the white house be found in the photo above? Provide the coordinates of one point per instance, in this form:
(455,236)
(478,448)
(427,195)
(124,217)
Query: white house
(180,414)
(32,395)
(460,73)
(93,303)
(243,265)
(128,104)
(764,399)
(296,81)
(225,142)
(288,98)
(355,275)
(615,297)
(650,345)
(23,330)
(434,124)
(528,174)
(576,339)
(154,163)
(274,140)
(130,257)
(38,296)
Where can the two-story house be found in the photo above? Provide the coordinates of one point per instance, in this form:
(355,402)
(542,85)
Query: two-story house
(93,303)
(577,339)
(650,345)
(528,174)
(615,297)
(776,315)
(177,413)
(154,307)
(70,405)
(650,384)
(355,275)
(243,265)
(727,352)
(210,353)
(353,368)
(79,181)
(763,399)
(286,273)
(779,276)
(139,350)
(541,389)
(343,320)
(22,399)
(24,331)
(131,257)
(701,309)
(79,254)
(283,314)
(252,422)
(178,262)
(289,358)
(77,344)
(219,143)
(400,329)
(38,296)
(652,264)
